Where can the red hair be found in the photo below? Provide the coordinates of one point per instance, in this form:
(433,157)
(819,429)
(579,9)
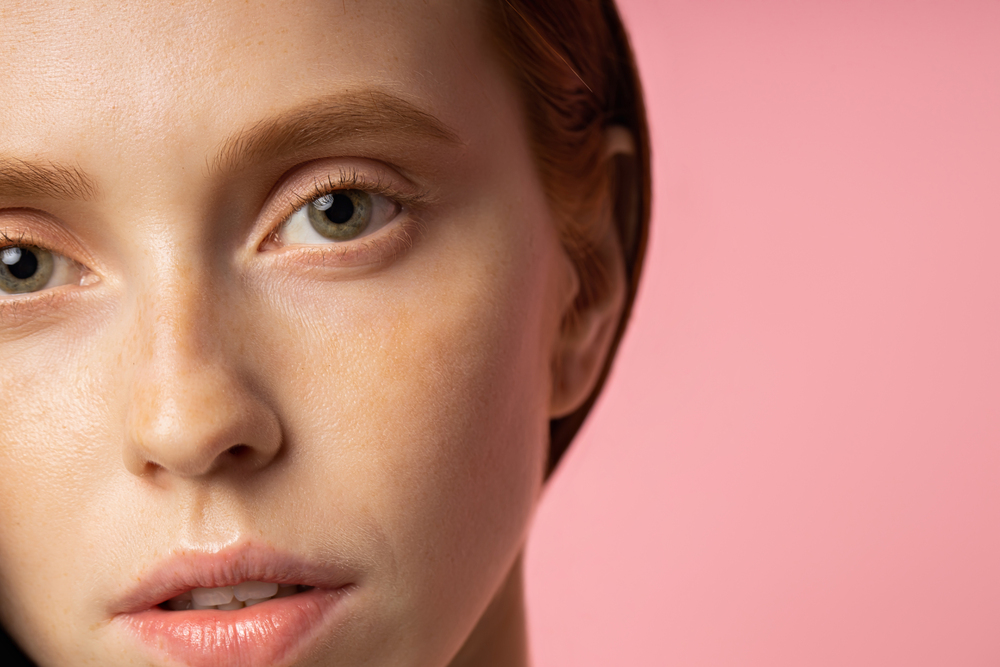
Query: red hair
(577,76)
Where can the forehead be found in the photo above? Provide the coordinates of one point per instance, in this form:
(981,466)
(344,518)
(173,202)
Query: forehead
(89,77)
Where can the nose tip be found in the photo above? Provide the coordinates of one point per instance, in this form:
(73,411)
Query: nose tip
(199,421)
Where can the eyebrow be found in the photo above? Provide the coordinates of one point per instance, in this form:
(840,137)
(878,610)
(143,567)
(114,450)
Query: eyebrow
(43,179)
(370,115)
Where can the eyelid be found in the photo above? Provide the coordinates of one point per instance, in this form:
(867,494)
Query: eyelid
(23,313)
(66,272)
(32,228)
(27,226)
(311,180)
(351,178)
(20,238)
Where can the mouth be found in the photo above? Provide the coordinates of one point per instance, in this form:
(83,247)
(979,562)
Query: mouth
(231,598)
(248,606)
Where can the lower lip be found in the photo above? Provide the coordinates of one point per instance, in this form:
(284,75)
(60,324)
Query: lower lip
(266,634)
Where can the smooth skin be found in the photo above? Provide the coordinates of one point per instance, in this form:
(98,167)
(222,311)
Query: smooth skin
(202,380)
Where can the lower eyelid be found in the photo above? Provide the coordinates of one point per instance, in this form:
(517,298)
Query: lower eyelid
(381,247)
(32,309)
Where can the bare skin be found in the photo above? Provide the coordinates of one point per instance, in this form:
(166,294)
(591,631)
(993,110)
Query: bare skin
(201,373)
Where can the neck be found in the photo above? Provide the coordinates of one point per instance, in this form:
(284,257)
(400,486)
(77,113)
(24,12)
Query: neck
(500,639)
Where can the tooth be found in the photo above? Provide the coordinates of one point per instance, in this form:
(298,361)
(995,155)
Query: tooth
(252,602)
(212,596)
(254,590)
(235,604)
(195,605)
(183,596)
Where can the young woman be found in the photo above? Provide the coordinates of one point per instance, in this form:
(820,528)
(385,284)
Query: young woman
(299,304)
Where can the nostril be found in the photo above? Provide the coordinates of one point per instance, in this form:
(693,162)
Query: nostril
(239,450)
(149,469)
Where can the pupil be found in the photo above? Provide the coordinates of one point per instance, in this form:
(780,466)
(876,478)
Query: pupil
(341,210)
(25,267)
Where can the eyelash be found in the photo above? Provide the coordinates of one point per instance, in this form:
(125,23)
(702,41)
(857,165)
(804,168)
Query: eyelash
(372,248)
(353,179)
(12,306)
(24,239)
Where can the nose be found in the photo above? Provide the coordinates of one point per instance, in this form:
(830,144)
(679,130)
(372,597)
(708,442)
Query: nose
(194,408)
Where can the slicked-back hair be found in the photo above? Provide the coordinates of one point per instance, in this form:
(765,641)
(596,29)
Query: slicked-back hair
(577,76)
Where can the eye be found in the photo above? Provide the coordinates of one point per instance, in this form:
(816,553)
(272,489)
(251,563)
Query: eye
(340,215)
(27,268)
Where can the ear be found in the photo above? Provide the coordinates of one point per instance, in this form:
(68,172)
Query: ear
(590,325)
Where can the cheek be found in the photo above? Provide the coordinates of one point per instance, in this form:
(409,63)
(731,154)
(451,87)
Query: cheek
(437,384)
(420,400)
(50,420)
(56,463)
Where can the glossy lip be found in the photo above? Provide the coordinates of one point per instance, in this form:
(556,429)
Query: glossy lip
(270,633)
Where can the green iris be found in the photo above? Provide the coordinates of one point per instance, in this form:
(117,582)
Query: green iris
(24,269)
(341,215)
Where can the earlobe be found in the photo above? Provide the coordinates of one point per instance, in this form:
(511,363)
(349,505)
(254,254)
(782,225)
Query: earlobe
(585,340)
(590,325)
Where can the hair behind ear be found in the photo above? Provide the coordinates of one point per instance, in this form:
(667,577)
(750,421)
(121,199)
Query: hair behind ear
(578,77)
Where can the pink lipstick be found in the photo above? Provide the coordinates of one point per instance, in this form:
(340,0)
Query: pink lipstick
(248,605)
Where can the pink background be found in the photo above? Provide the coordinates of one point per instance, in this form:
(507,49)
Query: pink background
(796,461)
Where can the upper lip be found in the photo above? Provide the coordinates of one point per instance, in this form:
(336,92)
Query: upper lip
(189,568)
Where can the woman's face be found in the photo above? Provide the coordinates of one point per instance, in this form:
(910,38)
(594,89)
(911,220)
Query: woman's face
(215,372)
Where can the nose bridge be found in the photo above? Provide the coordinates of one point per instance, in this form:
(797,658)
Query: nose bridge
(178,317)
(192,408)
